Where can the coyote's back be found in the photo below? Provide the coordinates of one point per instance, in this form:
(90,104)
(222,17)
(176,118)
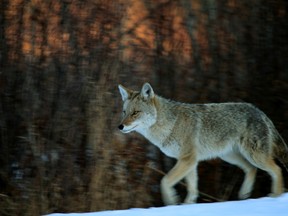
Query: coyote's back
(238,133)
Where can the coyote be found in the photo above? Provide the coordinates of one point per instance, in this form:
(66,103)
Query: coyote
(238,133)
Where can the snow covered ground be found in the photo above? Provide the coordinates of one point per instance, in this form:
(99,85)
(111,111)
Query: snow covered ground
(253,207)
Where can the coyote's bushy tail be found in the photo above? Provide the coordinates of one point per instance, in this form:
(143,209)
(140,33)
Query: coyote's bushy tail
(281,151)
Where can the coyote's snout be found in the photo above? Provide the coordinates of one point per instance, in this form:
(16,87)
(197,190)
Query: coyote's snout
(238,133)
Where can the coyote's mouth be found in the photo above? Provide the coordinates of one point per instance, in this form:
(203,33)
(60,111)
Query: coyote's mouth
(129,130)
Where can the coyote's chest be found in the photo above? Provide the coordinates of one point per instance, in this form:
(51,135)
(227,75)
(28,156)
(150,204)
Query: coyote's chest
(171,150)
(167,144)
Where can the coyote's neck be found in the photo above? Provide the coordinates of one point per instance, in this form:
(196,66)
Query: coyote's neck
(160,132)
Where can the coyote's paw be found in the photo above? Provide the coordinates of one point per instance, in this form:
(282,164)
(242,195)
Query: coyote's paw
(244,195)
(174,200)
(273,195)
(170,197)
(191,198)
(245,191)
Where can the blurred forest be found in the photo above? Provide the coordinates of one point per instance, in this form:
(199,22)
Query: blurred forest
(61,62)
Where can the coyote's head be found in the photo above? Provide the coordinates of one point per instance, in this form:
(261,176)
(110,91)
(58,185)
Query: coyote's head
(139,111)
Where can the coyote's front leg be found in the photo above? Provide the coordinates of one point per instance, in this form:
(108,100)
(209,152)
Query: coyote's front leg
(169,194)
(192,186)
(183,167)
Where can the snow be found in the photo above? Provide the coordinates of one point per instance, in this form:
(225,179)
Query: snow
(252,207)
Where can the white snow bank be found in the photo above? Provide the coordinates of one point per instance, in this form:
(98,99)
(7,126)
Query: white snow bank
(253,207)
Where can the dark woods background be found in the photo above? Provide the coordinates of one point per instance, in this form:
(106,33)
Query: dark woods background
(61,62)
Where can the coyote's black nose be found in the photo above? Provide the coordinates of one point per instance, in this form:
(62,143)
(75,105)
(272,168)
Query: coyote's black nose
(121,127)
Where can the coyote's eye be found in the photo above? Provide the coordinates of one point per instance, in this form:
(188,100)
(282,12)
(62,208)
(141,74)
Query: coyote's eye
(124,112)
(135,113)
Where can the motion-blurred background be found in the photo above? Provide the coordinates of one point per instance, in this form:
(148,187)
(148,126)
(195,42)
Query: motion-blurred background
(61,62)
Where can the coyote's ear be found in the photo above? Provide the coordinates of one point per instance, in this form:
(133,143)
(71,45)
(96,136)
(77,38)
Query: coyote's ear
(147,91)
(125,93)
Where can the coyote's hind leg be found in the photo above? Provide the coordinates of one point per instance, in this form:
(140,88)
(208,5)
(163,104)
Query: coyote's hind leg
(269,165)
(249,170)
